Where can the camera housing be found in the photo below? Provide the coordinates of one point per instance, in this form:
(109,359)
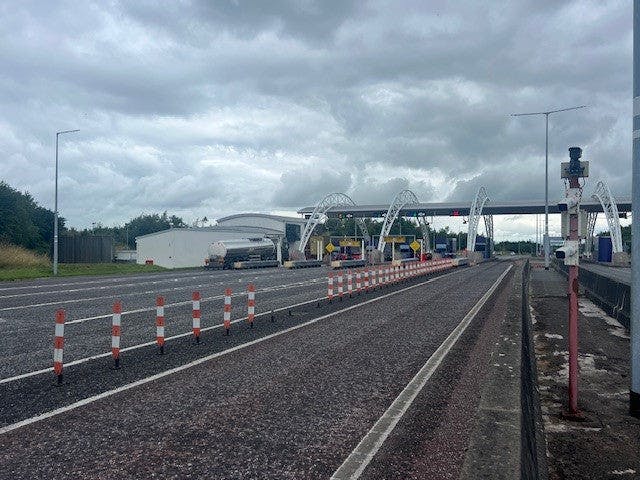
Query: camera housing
(569,252)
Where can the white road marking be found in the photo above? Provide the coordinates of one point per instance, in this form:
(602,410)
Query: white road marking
(89,299)
(360,457)
(86,401)
(113,284)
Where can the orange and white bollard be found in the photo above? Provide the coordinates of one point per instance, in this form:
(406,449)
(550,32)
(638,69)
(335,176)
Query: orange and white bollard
(227,310)
(358,282)
(195,314)
(251,304)
(160,323)
(330,287)
(349,283)
(58,344)
(340,286)
(366,281)
(115,334)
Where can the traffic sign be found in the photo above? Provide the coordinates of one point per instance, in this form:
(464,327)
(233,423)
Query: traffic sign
(415,245)
(330,248)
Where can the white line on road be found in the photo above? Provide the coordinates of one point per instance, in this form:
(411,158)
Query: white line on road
(357,461)
(80,300)
(202,360)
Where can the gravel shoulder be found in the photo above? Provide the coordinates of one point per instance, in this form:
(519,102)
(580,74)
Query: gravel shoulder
(606,444)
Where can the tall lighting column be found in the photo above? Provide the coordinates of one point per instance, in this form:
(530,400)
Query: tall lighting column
(546,173)
(55,212)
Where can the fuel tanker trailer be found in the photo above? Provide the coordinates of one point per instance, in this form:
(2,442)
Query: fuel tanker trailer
(245,252)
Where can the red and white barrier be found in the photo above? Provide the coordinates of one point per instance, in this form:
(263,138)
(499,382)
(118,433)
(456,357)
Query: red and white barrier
(340,286)
(58,344)
(367,280)
(195,314)
(330,287)
(115,333)
(349,283)
(358,281)
(160,323)
(227,310)
(251,304)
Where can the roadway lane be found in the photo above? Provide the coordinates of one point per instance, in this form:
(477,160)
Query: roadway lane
(26,335)
(292,406)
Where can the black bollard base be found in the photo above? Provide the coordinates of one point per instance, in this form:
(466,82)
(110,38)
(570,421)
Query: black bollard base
(116,363)
(634,404)
(60,379)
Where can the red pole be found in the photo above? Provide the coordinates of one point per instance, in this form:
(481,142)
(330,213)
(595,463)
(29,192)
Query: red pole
(160,324)
(573,311)
(58,345)
(195,315)
(251,304)
(115,333)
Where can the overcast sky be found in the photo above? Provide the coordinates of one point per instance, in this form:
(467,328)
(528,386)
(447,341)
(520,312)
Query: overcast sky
(218,107)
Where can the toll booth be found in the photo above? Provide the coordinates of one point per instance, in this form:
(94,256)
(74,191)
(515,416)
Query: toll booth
(483,244)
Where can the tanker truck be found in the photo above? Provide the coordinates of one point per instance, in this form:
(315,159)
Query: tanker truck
(252,252)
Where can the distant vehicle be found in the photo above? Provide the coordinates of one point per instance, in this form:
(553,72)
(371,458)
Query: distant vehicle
(223,254)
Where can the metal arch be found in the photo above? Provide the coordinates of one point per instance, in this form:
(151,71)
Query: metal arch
(330,200)
(424,228)
(474,218)
(488,226)
(405,197)
(591,226)
(603,195)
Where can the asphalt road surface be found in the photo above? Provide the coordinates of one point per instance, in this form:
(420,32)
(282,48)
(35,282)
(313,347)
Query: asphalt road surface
(290,398)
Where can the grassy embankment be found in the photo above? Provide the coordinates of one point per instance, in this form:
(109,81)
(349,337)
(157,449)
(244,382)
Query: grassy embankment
(17,263)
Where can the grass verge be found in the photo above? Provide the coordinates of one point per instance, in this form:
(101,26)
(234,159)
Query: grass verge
(17,263)
(74,269)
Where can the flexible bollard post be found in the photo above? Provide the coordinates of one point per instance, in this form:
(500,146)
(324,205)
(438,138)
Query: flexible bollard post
(380,279)
(366,280)
(58,344)
(115,334)
(160,324)
(358,282)
(195,314)
(340,287)
(330,287)
(251,304)
(227,310)
(349,283)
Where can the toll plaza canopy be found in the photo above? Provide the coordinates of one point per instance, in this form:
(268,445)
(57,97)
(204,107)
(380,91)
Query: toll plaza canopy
(462,209)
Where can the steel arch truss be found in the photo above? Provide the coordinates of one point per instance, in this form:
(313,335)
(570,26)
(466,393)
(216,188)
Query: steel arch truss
(603,195)
(488,226)
(319,215)
(591,227)
(402,199)
(474,218)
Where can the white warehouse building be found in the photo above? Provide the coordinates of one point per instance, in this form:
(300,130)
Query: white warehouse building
(188,247)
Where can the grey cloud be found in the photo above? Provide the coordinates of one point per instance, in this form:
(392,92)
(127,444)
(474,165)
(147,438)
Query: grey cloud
(308,186)
(299,96)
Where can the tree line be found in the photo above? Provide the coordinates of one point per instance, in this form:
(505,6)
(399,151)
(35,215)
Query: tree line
(25,223)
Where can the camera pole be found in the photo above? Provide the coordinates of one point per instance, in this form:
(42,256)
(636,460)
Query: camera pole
(574,235)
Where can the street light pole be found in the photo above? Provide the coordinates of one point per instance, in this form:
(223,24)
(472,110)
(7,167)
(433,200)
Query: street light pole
(546,174)
(55,212)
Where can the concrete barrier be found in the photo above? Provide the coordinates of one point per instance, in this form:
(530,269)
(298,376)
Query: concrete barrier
(612,296)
